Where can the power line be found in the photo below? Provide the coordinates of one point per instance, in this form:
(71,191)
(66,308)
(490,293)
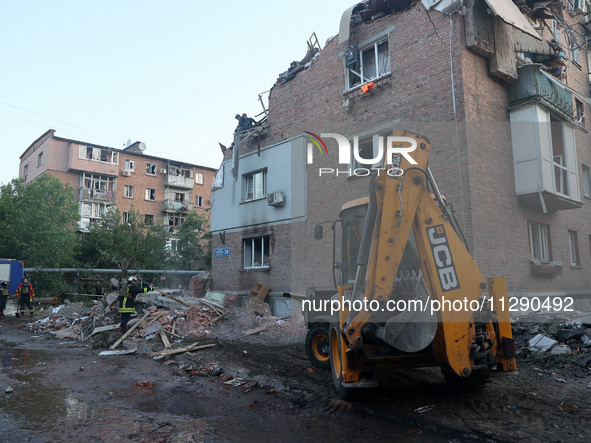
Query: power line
(57,120)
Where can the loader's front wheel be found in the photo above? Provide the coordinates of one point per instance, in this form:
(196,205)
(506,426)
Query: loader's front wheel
(317,346)
(476,381)
(336,364)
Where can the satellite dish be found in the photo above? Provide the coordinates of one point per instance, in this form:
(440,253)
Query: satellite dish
(128,143)
(142,146)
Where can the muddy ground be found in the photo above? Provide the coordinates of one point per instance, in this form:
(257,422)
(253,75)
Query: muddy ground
(62,390)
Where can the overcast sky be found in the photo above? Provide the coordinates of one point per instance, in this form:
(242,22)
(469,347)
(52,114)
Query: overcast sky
(171,74)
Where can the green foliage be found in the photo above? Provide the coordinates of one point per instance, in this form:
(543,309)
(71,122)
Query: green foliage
(38,222)
(114,244)
(192,249)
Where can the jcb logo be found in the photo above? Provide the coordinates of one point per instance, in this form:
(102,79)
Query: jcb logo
(443,259)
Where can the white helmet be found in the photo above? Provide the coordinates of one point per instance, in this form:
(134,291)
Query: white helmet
(131,279)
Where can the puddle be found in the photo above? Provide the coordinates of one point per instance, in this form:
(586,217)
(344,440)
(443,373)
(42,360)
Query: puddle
(35,411)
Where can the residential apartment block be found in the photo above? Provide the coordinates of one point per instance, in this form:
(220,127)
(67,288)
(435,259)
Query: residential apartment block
(162,190)
(501,90)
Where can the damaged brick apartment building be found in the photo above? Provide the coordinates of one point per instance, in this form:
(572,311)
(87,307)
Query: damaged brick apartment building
(162,190)
(501,90)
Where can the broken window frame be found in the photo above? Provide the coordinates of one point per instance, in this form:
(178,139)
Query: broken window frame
(539,241)
(98,154)
(151,168)
(149,219)
(129,165)
(255,185)
(256,252)
(372,63)
(150,194)
(198,201)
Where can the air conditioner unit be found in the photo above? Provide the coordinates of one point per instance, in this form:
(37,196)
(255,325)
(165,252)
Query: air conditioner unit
(126,173)
(162,171)
(276,199)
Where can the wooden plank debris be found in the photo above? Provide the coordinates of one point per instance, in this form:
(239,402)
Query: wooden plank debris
(103,329)
(174,298)
(124,336)
(119,352)
(193,347)
(255,330)
(164,339)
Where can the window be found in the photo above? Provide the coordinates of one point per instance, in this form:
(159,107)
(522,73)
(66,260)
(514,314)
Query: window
(558,153)
(178,197)
(148,219)
(539,240)
(199,178)
(126,217)
(369,63)
(256,252)
(579,113)
(128,191)
(130,165)
(573,247)
(574,52)
(151,168)
(199,201)
(40,159)
(586,180)
(26,171)
(255,185)
(150,194)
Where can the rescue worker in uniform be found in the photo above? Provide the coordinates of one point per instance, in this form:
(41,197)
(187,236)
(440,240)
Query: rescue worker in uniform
(25,295)
(127,300)
(4,291)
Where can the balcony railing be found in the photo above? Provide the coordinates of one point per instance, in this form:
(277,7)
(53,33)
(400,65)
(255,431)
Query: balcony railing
(179,181)
(99,196)
(533,85)
(174,206)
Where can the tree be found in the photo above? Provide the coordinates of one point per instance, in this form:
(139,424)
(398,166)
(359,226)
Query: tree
(112,243)
(38,222)
(192,247)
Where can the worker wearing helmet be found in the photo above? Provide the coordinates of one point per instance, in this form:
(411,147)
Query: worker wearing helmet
(25,295)
(127,299)
(4,291)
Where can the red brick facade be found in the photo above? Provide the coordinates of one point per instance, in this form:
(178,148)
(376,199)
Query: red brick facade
(471,152)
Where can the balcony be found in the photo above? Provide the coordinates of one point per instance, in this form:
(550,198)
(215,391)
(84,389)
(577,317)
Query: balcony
(174,206)
(179,181)
(534,86)
(97,196)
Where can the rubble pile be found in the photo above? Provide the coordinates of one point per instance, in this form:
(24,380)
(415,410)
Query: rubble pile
(563,346)
(199,284)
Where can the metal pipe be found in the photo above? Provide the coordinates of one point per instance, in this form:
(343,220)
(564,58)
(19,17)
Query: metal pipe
(116,271)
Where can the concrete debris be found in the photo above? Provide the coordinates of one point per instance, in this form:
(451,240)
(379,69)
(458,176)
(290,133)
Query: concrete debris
(541,343)
(560,349)
(9,389)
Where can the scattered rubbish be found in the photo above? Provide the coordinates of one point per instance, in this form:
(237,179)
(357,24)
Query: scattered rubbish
(589,385)
(559,378)
(414,431)
(560,349)
(119,352)
(424,409)
(9,389)
(236,382)
(143,384)
(40,364)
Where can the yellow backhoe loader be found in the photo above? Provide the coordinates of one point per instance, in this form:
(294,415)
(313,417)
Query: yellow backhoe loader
(411,294)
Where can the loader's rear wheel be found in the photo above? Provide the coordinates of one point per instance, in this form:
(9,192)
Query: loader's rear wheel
(336,364)
(317,346)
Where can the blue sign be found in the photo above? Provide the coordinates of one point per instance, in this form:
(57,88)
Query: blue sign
(221,252)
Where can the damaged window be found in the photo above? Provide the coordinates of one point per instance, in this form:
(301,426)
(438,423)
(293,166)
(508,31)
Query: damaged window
(367,64)
(256,252)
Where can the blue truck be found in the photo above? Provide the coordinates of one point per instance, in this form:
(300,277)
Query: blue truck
(12,271)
